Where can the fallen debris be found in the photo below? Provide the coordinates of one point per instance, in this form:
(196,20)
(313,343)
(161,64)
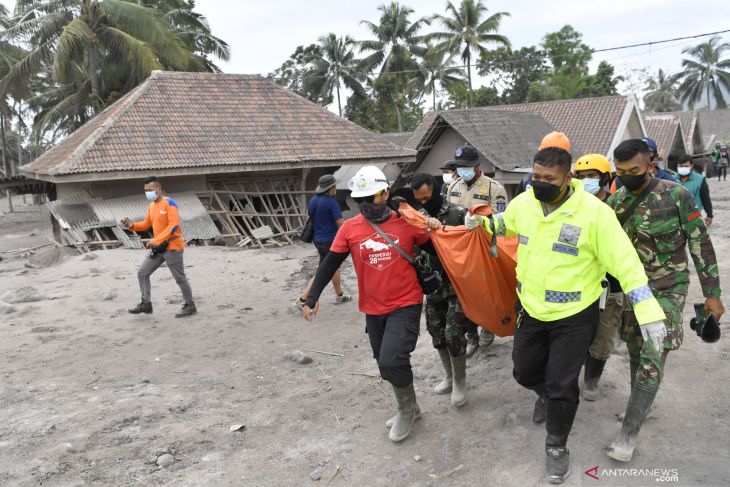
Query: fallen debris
(27,294)
(165,460)
(325,353)
(236,427)
(446,474)
(6,308)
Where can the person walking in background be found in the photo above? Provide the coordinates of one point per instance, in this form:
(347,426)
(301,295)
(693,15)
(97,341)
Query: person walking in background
(326,217)
(696,184)
(166,246)
(723,160)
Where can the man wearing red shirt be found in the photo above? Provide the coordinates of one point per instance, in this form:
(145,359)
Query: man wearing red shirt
(389,292)
(166,246)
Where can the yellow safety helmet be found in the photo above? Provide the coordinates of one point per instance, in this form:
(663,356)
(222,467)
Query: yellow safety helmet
(592,161)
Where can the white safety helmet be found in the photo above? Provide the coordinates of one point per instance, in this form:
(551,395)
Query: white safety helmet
(367,181)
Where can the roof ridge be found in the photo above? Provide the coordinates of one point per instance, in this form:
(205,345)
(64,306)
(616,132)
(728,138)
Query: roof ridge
(120,108)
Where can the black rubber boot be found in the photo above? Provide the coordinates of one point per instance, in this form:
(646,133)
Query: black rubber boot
(560,416)
(186,310)
(143,307)
(636,410)
(538,414)
(591,376)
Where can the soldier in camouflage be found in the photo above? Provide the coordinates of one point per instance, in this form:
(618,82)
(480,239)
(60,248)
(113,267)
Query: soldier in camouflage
(661,225)
(446,329)
(473,187)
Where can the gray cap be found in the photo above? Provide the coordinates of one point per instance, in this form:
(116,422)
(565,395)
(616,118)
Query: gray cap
(325,182)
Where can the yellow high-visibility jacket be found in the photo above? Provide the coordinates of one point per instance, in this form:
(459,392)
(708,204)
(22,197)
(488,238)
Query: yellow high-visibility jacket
(563,257)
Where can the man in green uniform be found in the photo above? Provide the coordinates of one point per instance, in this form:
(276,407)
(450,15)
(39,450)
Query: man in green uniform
(472,188)
(447,332)
(663,222)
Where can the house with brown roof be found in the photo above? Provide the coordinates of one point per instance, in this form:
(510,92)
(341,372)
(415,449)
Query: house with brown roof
(692,132)
(667,131)
(595,125)
(506,141)
(246,146)
(715,125)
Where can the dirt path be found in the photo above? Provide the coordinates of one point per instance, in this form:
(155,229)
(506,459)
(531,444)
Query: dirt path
(90,395)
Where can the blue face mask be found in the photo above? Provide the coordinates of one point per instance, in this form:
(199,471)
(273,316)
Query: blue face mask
(151,195)
(466,173)
(593,186)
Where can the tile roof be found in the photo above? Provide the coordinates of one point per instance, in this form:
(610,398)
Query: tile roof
(715,122)
(590,123)
(398,138)
(179,120)
(663,127)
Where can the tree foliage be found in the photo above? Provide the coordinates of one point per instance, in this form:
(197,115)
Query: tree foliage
(706,73)
(661,93)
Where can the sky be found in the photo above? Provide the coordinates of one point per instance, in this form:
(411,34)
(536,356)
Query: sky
(263,34)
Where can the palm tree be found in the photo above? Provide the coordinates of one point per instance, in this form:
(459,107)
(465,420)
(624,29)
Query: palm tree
(707,72)
(437,66)
(661,93)
(396,40)
(394,50)
(467,30)
(335,65)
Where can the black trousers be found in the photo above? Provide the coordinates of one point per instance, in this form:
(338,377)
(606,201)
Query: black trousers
(393,337)
(548,355)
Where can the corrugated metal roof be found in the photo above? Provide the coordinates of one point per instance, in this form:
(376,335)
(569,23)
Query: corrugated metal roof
(80,214)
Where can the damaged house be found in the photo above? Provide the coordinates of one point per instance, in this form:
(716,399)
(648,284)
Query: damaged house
(239,153)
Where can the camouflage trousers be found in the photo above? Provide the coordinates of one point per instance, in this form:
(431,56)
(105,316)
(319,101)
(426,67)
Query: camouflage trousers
(445,323)
(608,327)
(645,357)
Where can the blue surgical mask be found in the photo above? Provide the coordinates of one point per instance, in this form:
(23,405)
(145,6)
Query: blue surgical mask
(593,186)
(151,195)
(466,173)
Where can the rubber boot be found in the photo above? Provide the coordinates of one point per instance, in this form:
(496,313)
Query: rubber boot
(143,307)
(591,376)
(538,414)
(389,423)
(403,422)
(472,342)
(486,338)
(560,416)
(639,404)
(444,387)
(458,391)
(634,366)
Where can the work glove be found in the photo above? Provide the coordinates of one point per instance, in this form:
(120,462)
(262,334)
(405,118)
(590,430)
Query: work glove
(473,221)
(656,332)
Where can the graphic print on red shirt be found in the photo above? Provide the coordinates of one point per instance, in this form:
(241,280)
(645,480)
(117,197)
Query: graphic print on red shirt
(385,280)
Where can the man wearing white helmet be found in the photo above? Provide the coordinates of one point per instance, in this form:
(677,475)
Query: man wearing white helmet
(389,292)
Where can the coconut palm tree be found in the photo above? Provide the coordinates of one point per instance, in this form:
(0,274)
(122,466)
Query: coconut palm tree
(335,65)
(467,31)
(661,93)
(437,66)
(705,73)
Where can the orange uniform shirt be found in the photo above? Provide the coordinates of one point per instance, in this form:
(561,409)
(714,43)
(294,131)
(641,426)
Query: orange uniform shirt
(164,219)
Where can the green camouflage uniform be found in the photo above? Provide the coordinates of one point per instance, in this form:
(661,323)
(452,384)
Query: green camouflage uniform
(446,325)
(660,228)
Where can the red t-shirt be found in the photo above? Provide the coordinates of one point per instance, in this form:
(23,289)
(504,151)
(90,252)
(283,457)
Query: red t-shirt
(385,280)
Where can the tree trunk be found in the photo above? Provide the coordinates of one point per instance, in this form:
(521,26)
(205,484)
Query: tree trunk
(433,91)
(20,138)
(339,105)
(397,114)
(91,73)
(468,72)
(709,104)
(6,166)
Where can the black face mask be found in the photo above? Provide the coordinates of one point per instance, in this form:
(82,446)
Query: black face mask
(633,181)
(374,213)
(546,192)
(433,206)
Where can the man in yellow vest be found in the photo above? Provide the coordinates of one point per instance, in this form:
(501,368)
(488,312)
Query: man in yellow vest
(568,241)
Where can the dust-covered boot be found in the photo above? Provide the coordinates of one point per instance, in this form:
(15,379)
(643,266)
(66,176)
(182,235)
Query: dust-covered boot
(407,406)
(560,417)
(143,307)
(639,404)
(188,309)
(591,376)
(538,413)
(444,387)
(389,423)
(472,342)
(486,338)
(634,367)
(458,390)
